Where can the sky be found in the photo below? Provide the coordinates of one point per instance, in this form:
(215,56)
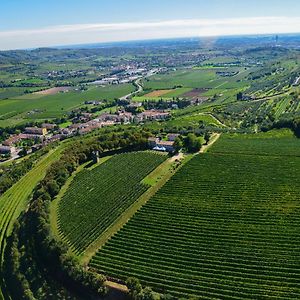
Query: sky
(42,23)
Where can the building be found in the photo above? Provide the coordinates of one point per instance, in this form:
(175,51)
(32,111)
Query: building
(153,115)
(120,117)
(166,146)
(12,140)
(49,126)
(172,136)
(36,130)
(93,102)
(152,141)
(160,145)
(5,150)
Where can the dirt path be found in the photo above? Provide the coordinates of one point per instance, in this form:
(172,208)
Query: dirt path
(213,139)
(118,286)
(178,156)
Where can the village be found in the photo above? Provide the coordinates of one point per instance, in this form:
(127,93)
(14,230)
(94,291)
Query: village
(32,139)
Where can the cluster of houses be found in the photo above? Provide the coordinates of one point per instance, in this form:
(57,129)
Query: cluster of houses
(124,117)
(33,133)
(83,124)
(38,134)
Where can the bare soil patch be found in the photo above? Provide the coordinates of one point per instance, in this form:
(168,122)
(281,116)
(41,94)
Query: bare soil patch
(158,93)
(54,90)
(195,93)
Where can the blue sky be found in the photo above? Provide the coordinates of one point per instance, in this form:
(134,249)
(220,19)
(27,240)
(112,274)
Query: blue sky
(33,23)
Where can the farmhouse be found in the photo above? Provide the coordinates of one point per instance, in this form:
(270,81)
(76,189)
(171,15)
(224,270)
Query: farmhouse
(165,146)
(36,130)
(160,145)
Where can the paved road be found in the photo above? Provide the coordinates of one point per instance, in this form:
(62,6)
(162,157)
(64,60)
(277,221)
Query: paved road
(140,87)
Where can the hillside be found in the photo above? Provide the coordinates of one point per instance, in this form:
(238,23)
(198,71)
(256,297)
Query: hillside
(225,226)
(100,195)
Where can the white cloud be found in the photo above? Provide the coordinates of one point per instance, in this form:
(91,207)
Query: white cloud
(102,32)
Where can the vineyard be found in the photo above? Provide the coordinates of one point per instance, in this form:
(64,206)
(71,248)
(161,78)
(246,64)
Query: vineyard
(226,226)
(277,143)
(97,197)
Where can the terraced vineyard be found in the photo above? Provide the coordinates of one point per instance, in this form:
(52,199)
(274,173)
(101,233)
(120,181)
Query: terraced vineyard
(226,226)
(97,197)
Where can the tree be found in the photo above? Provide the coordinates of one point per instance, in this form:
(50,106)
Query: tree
(148,294)
(53,188)
(178,144)
(239,96)
(192,143)
(134,287)
(206,137)
(296,125)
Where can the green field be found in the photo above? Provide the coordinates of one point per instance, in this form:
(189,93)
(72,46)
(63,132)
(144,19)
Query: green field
(194,78)
(175,93)
(226,226)
(184,78)
(275,143)
(97,197)
(193,120)
(15,111)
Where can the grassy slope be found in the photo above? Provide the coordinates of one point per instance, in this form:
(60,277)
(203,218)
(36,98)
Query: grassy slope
(14,200)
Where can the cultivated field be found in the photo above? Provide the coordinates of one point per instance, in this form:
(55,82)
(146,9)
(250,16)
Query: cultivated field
(194,78)
(97,197)
(157,93)
(194,93)
(226,226)
(31,107)
(54,91)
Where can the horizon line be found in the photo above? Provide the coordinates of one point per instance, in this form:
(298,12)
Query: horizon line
(65,46)
(103,33)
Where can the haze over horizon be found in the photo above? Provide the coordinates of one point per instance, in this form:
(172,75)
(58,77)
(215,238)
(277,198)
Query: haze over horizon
(43,24)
